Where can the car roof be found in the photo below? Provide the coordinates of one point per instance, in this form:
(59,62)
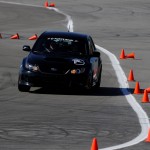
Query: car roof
(65,34)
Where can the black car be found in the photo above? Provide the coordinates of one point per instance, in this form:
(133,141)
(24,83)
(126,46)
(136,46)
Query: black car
(61,58)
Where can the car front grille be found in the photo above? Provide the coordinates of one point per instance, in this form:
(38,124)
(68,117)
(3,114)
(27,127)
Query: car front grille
(55,68)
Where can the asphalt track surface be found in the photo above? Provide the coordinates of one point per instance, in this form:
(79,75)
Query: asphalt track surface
(56,119)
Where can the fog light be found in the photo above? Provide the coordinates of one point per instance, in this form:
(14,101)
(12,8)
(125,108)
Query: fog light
(77,71)
(35,68)
(73,71)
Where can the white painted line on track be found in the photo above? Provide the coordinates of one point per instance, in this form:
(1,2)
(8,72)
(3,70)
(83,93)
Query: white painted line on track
(142,116)
(68,18)
(122,79)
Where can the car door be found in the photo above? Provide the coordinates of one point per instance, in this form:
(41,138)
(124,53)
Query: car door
(93,60)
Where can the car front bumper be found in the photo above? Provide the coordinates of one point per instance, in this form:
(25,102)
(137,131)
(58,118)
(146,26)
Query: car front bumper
(39,79)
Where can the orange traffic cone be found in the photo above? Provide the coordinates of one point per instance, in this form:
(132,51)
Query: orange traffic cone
(94,145)
(0,36)
(148,136)
(34,37)
(137,89)
(122,55)
(148,90)
(131,55)
(52,5)
(131,76)
(145,98)
(16,36)
(46,4)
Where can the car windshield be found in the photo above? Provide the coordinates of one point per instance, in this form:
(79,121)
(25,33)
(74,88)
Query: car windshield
(61,45)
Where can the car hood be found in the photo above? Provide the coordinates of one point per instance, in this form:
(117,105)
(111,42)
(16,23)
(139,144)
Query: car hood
(34,58)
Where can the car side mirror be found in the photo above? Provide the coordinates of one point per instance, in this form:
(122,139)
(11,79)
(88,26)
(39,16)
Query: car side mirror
(96,54)
(26,48)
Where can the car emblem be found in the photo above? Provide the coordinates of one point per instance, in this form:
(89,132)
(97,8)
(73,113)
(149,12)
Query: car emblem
(54,69)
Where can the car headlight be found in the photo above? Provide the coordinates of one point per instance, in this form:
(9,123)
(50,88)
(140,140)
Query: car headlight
(78,71)
(31,67)
(77,61)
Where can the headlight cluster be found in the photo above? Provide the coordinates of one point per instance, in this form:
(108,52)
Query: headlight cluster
(30,67)
(77,61)
(77,71)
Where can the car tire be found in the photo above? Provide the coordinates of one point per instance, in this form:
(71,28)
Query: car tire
(23,88)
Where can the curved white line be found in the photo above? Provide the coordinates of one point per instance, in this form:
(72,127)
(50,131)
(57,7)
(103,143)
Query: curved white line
(68,18)
(142,116)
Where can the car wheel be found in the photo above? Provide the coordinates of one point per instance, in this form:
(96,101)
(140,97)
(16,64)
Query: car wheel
(23,88)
